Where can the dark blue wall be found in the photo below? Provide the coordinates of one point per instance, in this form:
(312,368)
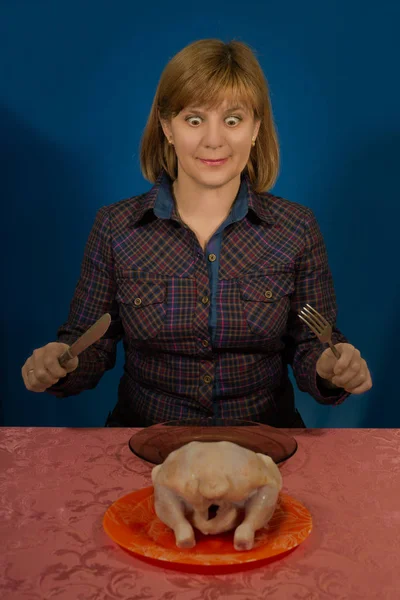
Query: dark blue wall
(77,81)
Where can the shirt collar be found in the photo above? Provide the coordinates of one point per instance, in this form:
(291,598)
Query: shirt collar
(159,200)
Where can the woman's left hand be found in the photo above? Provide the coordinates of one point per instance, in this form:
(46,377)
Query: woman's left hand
(350,371)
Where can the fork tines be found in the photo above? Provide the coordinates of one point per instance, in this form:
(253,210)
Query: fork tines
(312,318)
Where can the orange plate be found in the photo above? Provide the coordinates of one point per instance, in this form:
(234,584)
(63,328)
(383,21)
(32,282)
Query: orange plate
(132,522)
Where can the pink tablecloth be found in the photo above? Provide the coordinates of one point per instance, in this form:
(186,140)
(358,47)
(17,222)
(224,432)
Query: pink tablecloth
(56,484)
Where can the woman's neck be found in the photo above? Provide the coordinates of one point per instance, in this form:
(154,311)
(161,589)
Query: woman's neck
(195,201)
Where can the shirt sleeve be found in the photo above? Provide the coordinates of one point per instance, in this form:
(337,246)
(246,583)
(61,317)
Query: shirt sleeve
(94,295)
(313,286)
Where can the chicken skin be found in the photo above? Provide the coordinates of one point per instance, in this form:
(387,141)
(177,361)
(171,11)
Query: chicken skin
(210,486)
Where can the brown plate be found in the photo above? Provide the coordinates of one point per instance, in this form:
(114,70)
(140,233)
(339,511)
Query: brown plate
(154,443)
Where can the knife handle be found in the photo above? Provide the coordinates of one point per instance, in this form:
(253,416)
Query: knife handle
(65,357)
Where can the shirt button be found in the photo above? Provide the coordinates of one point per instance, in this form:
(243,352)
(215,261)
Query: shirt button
(205,299)
(204,343)
(137,301)
(212,257)
(268,294)
(207,379)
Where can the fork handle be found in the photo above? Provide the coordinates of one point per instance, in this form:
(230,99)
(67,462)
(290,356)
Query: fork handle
(334,350)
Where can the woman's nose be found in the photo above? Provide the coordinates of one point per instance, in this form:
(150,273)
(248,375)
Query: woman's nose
(213,136)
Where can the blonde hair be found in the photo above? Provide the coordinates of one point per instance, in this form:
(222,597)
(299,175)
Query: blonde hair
(205,72)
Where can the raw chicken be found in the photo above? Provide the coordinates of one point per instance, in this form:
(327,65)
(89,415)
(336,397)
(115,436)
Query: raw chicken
(208,485)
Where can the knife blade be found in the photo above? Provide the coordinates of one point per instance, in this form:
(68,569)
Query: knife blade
(94,333)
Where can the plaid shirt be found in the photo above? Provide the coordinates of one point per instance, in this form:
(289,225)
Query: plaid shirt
(205,333)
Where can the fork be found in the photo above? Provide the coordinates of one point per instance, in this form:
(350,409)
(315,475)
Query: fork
(318,325)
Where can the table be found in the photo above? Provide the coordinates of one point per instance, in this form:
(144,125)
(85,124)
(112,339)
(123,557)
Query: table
(57,483)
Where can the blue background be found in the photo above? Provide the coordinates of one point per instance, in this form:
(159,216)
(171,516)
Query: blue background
(77,81)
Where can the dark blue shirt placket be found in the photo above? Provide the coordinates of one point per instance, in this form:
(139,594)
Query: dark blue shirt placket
(212,255)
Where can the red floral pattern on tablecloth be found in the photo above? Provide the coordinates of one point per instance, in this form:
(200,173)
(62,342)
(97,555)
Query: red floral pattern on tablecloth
(57,483)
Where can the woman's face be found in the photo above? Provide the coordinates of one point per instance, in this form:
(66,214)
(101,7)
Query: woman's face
(212,146)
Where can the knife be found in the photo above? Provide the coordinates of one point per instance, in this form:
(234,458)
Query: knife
(94,333)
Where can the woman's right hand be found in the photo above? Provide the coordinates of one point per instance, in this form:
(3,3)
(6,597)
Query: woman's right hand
(42,369)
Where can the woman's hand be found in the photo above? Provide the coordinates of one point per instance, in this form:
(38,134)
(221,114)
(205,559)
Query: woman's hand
(350,371)
(42,369)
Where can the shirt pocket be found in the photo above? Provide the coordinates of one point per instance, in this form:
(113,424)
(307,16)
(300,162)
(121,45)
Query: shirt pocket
(142,307)
(266,303)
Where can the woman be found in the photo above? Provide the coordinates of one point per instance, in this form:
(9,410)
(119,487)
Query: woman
(204,275)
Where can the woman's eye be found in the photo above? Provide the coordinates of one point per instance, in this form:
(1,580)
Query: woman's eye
(194,120)
(232,121)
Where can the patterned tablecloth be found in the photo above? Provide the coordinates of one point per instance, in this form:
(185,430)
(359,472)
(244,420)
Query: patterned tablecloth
(57,483)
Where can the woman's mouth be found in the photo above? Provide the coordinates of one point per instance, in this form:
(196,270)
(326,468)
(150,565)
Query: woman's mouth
(213,163)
